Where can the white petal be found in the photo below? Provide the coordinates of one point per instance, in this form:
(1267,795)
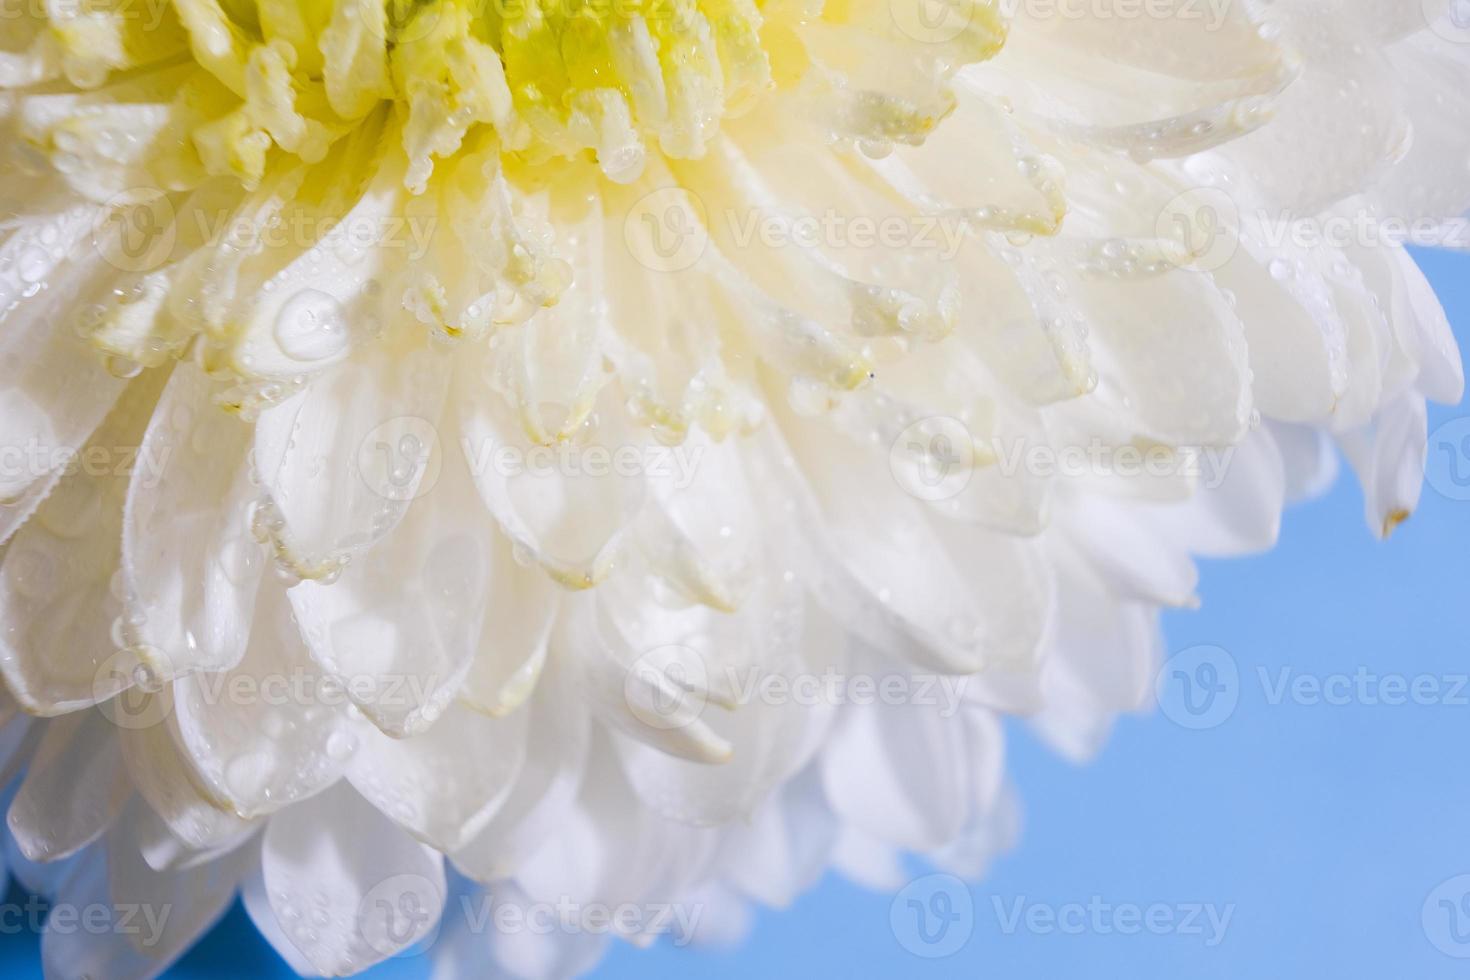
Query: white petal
(520,608)
(570,521)
(781,851)
(1389,459)
(190,565)
(545,790)
(443,785)
(173,910)
(343,460)
(401,626)
(909,775)
(56,392)
(646,700)
(271,730)
(66,639)
(263,917)
(74,788)
(163,778)
(348,887)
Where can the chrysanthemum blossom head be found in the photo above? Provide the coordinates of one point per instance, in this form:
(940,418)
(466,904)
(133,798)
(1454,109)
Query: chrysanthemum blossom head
(634,453)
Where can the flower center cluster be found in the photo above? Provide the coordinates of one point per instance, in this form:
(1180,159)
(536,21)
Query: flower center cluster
(618,79)
(552,77)
(280,181)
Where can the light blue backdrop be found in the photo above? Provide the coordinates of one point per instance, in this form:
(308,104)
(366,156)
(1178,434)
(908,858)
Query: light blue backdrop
(1326,830)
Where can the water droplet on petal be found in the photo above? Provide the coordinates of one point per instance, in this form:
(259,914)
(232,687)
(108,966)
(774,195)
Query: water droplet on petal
(312,326)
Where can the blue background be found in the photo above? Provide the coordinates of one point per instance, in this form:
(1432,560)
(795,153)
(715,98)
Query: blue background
(1326,827)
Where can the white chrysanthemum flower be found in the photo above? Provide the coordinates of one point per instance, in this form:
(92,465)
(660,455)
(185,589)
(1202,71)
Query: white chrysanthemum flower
(636,453)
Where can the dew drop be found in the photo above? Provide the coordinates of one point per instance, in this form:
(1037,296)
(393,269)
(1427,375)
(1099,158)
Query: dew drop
(31,265)
(340,745)
(311,326)
(247,774)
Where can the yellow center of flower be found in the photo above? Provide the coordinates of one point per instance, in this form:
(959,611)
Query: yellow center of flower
(280,183)
(614,78)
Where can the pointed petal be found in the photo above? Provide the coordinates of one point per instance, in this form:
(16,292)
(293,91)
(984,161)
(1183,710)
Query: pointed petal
(349,888)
